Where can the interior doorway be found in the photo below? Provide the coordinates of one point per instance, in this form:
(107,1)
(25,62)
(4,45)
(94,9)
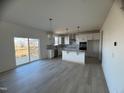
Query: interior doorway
(26,50)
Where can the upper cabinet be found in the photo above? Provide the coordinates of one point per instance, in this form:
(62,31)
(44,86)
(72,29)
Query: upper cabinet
(96,36)
(67,39)
(89,36)
(86,37)
(81,38)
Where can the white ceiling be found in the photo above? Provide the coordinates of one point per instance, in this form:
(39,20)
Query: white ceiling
(88,14)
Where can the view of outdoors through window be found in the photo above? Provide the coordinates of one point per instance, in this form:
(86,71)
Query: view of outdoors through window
(26,50)
(34,49)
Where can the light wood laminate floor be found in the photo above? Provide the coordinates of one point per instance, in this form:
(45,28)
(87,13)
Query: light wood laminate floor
(54,76)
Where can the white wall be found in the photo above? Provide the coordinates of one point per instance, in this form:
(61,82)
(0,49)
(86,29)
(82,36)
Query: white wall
(113,56)
(7,52)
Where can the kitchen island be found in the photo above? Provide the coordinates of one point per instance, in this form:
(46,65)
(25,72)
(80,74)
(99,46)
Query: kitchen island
(73,55)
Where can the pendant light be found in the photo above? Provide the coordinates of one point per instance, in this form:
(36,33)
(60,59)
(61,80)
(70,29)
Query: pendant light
(78,29)
(50,35)
(67,30)
(50,27)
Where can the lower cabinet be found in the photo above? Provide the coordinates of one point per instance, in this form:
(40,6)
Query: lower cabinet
(50,53)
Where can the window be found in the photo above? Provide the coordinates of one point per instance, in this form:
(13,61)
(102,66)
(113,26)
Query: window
(56,40)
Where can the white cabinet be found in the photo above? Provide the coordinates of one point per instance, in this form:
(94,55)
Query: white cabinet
(93,36)
(74,56)
(59,40)
(89,36)
(81,38)
(86,37)
(96,36)
(66,39)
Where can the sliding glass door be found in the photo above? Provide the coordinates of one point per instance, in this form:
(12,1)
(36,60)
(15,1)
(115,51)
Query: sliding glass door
(34,49)
(26,50)
(21,50)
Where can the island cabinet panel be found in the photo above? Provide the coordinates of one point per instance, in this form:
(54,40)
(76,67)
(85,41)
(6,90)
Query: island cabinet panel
(74,56)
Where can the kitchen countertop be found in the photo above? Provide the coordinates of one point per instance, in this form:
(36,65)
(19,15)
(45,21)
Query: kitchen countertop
(71,49)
